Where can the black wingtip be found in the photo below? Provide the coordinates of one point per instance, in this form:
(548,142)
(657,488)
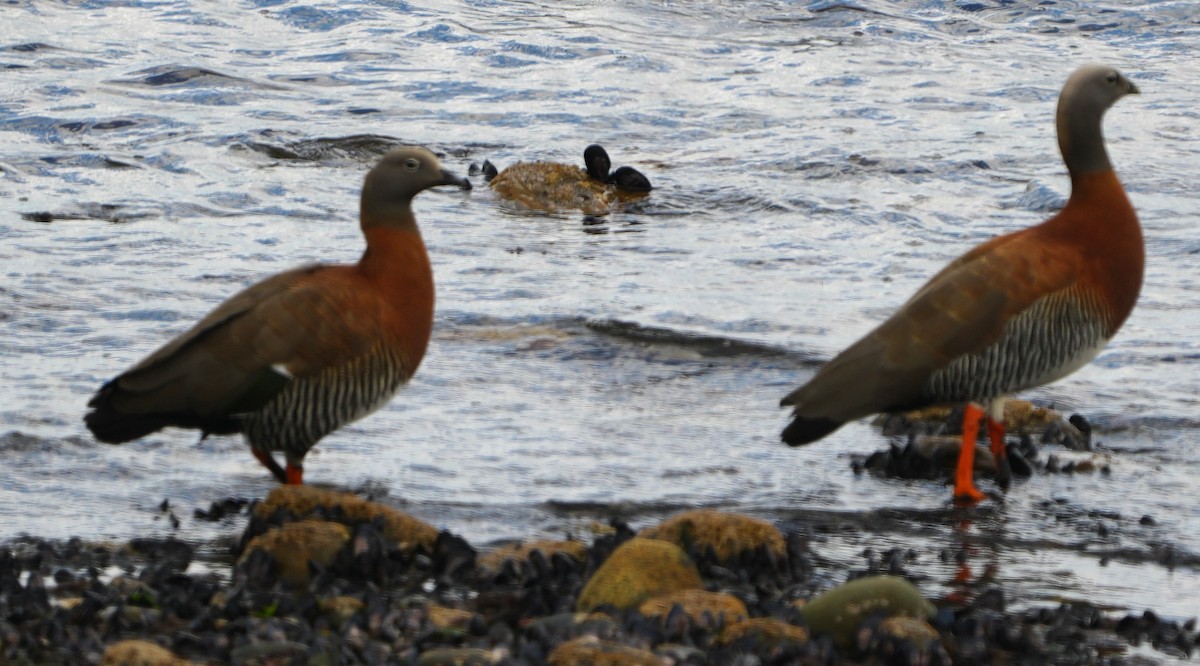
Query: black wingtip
(805,431)
(112,427)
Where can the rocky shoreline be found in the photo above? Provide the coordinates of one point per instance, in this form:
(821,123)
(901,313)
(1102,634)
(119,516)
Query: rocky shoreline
(323,577)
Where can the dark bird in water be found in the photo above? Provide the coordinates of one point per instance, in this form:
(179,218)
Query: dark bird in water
(551,186)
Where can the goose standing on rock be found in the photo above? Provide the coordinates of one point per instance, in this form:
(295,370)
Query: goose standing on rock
(551,186)
(1016,312)
(302,353)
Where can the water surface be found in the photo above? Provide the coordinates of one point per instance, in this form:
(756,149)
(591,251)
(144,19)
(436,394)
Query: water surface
(814,163)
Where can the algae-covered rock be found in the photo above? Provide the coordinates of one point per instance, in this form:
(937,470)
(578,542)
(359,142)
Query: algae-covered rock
(140,653)
(768,631)
(456,657)
(840,611)
(443,617)
(591,651)
(401,530)
(269,653)
(636,571)
(727,535)
(339,609)
(492,561)
(903,627)
(291,546)
(695,603)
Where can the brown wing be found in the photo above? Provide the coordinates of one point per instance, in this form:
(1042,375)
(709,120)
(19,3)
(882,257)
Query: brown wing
(239,356)
(961,311)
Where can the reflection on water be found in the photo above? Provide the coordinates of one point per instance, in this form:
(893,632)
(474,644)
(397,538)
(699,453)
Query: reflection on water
(813,164)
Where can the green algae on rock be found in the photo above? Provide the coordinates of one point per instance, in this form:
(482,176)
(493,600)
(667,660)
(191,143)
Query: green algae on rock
(839,612)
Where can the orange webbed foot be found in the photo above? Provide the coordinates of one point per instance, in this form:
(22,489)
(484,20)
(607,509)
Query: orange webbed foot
(965,491)
(968,495)
(294,475)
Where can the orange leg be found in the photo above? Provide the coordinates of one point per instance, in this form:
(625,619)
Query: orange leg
(964,476)
(295,475)
(268,461)
(999,452)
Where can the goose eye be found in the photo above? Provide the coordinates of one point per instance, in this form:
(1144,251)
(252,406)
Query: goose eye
(412,164)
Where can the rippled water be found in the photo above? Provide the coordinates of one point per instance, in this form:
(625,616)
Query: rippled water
(813,162)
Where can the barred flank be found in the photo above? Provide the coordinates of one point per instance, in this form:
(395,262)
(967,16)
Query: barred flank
(310,408)
(1047,337)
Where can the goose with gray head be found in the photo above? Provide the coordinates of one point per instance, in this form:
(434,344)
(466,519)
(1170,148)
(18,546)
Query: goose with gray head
(300,354)
(1016,312)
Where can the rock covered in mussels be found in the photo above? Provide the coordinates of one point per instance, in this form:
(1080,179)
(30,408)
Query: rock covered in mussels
(378,604)
(294,545)
(400,529)
(494,560)
(700,606)
(719,536)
